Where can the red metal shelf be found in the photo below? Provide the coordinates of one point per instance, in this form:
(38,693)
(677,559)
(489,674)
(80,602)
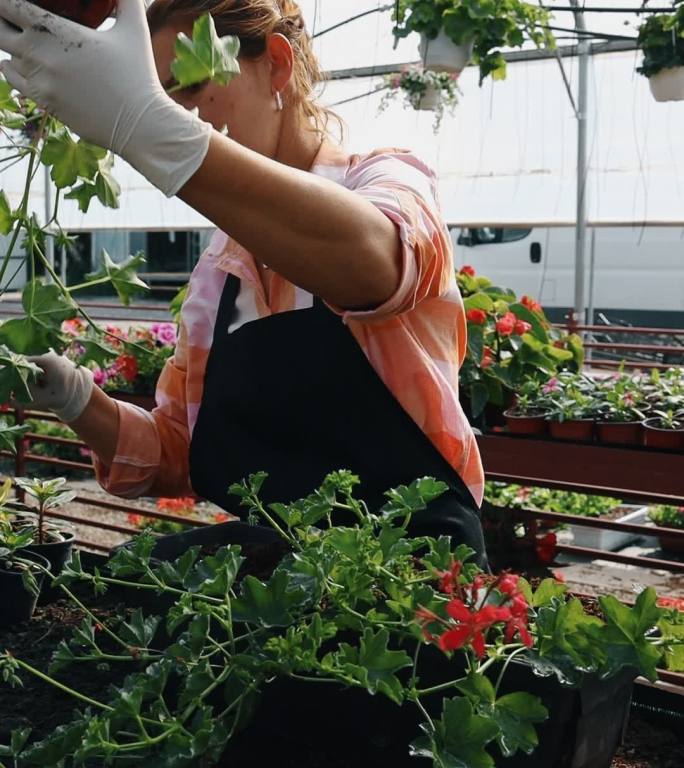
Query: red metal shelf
(637,473)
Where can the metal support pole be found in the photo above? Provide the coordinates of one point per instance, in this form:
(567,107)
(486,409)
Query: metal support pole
(582,170)
(592,287)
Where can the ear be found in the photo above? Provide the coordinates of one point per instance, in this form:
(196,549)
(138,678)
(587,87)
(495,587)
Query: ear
(281,57)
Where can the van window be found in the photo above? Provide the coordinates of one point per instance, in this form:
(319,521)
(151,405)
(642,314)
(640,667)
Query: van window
(493,235)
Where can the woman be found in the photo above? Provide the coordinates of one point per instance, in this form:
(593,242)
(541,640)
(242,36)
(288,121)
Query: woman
(323,328)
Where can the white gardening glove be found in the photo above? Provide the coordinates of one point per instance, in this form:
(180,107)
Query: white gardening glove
(104,86)
(64,387)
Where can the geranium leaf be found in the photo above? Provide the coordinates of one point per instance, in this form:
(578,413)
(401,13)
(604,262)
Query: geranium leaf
(123,275)
(268,604)
(106,186)
(6,216)
(46,308)
(516,714)
(16,372)
(460,737)
(7,102)
(205,56)
(69,159)
(83,194)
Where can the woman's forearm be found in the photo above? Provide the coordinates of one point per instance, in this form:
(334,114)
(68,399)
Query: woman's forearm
(316,233)
(98,425)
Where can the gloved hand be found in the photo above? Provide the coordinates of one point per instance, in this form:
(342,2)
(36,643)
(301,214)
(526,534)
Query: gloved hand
(104,86)
(64,388)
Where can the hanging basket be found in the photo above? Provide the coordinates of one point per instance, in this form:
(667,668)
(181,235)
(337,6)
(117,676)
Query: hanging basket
(668,84)
(443,55)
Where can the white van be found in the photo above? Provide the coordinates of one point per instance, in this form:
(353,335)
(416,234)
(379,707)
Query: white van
(638,277)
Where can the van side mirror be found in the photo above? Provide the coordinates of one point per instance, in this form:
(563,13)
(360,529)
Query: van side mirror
(536,253)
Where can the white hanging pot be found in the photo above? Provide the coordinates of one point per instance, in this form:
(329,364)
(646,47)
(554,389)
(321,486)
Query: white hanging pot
(668,84)
(429,101)
(443,55)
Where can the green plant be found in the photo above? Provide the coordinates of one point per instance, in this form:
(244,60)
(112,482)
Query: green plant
(489,25)
(80,171)
(622,398)
(661,38)
(511,344)
(416,83)
(667,516)
(548,500)
(391,596)
(667,419)
(50,495)
(12,542)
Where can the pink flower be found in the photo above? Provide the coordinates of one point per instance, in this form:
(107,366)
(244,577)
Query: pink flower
(73,327)
(395,82)
(100,377)
(164,333)
(521,327)
(552,385)
(506,325)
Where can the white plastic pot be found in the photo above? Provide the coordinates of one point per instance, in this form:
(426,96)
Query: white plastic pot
(443,55)
(668,84)
(597,538)
(430,101)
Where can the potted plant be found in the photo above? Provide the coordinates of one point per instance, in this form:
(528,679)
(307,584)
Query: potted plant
(423,89)
(510,343)
(667,516)
(397,640)
(660,39)
(664,429)
(454,31)
(622,410)
(21,574)
(528,414)
(574,408)
(53,541)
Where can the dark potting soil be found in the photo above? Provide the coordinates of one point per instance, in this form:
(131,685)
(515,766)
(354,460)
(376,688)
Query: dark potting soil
(649,746)
(37,704)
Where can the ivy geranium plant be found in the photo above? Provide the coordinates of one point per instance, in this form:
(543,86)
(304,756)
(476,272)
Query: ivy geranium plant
(359,606)
(661,38)
(489,25)
(416,84)
(82,172)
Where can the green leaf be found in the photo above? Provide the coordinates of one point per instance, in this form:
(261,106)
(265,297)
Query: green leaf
(547,591)
(479,397)
(479,301)
(516,714)
(16,373)
(107,187)
(97,351)
(533,318)
(83,194)
(270,604)
(123,275)
(214,575)
(7,102)
(205,56)
(476,343)
(70,160)
(409,499)
(139,630)
(624,635)
(478,689)
(374,665)
(46,308)
(6,216)
(460,737)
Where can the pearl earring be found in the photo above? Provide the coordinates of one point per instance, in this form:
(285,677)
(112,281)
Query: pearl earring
(279,101)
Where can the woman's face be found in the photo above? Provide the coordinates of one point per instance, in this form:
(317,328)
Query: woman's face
(246,105)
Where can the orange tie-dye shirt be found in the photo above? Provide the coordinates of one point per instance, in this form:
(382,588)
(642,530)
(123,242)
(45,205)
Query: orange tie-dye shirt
(416,341)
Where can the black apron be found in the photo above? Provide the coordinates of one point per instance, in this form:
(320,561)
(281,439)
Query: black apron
(294,395)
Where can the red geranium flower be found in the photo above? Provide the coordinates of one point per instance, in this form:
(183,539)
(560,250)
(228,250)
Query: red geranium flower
(468,270)
(531,304)
(546,548)
(476,316)
(472,626)
(506,325)
(127,366)
(521,327)
(221,517)
(449,579)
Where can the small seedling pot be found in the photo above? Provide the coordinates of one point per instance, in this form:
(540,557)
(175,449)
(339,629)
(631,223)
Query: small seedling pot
(667,439)
(620,433)
(580,430)
(57,553)
(18,603)
(525,425)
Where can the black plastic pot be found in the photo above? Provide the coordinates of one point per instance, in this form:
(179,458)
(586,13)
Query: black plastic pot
(18,603)
(57,553)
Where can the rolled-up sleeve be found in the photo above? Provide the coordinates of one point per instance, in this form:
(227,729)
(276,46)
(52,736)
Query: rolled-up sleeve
(404,189)
(152,451)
